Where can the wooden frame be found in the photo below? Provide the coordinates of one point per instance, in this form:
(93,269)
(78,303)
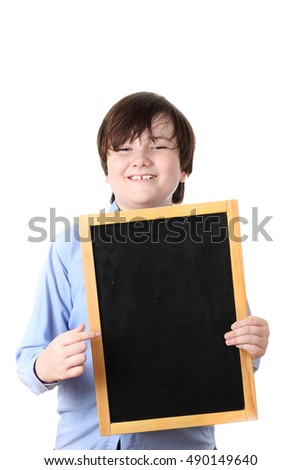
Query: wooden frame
(107,427)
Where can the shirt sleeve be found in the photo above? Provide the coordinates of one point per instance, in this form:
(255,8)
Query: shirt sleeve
(50,315)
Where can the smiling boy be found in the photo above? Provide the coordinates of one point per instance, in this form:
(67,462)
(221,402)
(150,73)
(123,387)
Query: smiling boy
(146,147)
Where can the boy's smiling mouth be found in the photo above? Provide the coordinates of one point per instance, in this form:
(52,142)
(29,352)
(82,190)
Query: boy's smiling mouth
(141,177)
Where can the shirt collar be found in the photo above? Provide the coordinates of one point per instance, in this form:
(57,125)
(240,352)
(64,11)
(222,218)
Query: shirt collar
(114,207)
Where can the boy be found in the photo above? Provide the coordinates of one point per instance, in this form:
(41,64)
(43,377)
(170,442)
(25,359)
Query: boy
(146,148)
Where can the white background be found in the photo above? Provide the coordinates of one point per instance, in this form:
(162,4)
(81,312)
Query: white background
(233,68)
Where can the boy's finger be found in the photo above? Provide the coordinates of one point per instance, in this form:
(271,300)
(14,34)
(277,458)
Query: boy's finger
(244,330)
(248,321)
(85,335)
(76,335)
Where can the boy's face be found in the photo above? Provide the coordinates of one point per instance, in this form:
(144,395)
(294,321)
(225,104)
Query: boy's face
(144,173)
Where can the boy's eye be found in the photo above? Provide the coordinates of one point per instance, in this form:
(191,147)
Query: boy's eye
(159,147)
(123,149)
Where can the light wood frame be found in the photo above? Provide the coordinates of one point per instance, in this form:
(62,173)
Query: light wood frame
(106,426)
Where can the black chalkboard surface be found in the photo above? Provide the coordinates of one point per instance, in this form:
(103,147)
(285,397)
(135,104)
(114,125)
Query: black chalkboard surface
(164,295)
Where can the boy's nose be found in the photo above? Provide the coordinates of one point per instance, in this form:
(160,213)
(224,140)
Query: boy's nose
(140,159)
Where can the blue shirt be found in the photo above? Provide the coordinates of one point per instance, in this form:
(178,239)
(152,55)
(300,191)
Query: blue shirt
(60,305)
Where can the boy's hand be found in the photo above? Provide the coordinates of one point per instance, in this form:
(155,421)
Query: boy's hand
(251,334)
(64,357)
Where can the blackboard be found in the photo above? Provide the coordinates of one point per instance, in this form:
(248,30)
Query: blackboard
(163,286)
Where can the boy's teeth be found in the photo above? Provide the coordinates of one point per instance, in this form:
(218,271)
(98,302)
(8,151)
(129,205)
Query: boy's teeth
(144,177)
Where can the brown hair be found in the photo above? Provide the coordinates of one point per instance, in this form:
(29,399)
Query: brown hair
(133,115)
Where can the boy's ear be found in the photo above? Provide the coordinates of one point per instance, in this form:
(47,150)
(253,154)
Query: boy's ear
(183,176)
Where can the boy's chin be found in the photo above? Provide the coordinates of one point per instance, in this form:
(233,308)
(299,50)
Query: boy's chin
(142,204)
